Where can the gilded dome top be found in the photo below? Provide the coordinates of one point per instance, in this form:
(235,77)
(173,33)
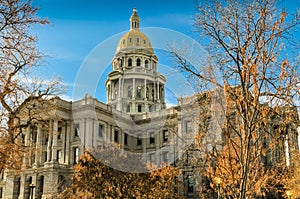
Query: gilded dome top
(134,39)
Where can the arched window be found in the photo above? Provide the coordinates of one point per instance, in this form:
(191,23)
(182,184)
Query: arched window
(138,62)
(129,62)
(147,92)
(129,90)
(146,63)
(139,92)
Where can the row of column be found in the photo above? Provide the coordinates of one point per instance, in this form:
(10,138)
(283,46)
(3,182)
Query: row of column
(52,143)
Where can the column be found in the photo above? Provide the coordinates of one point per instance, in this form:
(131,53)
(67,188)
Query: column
(119,91)
(154,88)
(38,146)
(157,90)
(145,89)
(49,141)
(89,135)
(54,141)
(133,88)
(70,126)
(96,129)
(63,138)
(27,139)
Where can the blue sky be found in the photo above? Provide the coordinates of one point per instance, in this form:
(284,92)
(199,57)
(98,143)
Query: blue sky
(78,28)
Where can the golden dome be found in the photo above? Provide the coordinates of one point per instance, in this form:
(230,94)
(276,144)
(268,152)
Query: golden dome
(134,40)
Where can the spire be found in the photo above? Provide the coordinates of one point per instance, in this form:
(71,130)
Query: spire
(134,20)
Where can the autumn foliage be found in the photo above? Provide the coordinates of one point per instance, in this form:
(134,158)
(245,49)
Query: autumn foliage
(94,179)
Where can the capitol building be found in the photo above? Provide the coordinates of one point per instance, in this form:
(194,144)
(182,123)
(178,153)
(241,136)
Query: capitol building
(134,116)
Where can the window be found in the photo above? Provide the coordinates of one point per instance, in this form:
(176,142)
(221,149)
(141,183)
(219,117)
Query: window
(59,133)
(139,108)
(77,127)
(76,155)
(125,139)
(190,184)
(130,40)
(1,192)
(144,41)
(146,63)
(152,158)
(139,92)
(58,156)
(40,187)
(129,62)
(116,136)
(129,89)
(138,62)
(128,108)
(152,138)
(165,135)
(137,40)
(188,127)
(17,187)
(100,131)
(165,157)
(139,140)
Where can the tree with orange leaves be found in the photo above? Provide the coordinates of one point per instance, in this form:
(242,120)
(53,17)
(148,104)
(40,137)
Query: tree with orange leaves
(95,179)
(20,91)
(253,58)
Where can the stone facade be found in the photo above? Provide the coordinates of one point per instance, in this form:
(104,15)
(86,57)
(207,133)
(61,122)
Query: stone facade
(135,117)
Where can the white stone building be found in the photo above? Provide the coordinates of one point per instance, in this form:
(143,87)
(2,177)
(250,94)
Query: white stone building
(135,116)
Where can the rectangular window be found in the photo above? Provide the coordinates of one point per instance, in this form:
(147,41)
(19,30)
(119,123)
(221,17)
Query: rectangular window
(1,192)
(76,155)
(100,131)
(77,128)
(152,158)
(152,138)
(190,184)
(125,139)
(116,136)
(165,157)
(165,135)
(188,127)
(139,140)
(59,133)
(139,108)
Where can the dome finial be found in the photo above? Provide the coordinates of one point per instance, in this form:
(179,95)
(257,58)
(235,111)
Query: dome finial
(134,20)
